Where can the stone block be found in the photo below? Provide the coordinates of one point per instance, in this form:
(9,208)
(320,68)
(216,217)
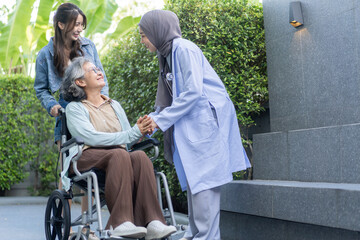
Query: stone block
(305,204)
(276,24)
(349,209)
(349,153)
(235,226)
(286,88)
(270,159)
(276,14)
(245,198)
(331,72)
(314,155)
(311,82)
(333,205)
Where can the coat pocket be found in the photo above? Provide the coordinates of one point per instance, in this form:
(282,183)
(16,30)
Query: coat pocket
(200,126)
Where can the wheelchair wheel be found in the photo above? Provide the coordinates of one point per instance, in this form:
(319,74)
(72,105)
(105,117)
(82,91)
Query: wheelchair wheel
(57,217)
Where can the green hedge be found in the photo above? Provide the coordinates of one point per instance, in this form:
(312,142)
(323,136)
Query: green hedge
(26,136)
(231,35)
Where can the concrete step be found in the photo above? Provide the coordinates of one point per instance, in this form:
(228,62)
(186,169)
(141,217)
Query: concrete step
(326,154)
(334,205)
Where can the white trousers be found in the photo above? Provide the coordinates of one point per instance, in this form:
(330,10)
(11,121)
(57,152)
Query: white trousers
(204,215)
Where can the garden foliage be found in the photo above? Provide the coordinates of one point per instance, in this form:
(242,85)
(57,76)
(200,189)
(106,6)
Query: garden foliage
(231,35)
(26,139)
(23,35)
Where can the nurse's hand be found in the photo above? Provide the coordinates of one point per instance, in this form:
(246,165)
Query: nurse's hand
(153,125)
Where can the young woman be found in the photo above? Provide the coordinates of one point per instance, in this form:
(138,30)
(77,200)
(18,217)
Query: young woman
(130,186)
(52,60)
(198,118)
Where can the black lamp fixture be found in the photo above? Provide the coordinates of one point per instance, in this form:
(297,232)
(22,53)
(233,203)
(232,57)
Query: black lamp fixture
(295,14)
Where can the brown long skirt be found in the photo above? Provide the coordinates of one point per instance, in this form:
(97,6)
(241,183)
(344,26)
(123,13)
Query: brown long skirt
(130,186)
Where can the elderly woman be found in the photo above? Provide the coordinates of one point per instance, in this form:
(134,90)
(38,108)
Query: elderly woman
(198,118)
(130,187)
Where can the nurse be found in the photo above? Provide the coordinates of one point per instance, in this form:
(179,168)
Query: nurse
(194,111)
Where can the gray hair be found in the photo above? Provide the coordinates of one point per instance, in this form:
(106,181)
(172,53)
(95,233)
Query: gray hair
(69,89)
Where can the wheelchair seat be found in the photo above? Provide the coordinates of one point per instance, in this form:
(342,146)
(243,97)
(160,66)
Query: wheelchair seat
(100,176)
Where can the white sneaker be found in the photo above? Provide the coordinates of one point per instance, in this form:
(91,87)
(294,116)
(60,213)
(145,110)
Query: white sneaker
(157,229)
(128,229)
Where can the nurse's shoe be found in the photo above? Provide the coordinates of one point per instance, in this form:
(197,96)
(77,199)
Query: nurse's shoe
(128,229)
(157,229)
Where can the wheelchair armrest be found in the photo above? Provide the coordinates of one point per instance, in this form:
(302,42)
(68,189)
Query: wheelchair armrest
(73,140)
(145,144)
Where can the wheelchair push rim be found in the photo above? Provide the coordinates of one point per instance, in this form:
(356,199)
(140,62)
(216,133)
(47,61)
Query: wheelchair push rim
(57,216)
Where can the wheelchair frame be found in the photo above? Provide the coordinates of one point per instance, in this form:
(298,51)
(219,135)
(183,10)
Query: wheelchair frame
(58,215)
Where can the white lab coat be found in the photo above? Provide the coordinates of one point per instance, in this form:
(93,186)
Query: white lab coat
(209,147)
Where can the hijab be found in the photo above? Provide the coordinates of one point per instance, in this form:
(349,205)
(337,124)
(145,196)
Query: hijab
(161,27)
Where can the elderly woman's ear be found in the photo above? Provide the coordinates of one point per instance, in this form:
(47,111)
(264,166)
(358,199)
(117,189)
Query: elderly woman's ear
(80,82)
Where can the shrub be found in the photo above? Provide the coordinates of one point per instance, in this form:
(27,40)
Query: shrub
(231,35)
(26,135)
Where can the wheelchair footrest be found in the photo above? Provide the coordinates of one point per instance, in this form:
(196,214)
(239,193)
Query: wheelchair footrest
(177,235)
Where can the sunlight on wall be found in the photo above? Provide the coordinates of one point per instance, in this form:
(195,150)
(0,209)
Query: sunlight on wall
(296,47)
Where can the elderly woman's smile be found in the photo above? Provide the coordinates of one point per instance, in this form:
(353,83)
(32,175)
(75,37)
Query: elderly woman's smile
(93,75)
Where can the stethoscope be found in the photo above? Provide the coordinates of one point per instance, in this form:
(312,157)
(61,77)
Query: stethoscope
(168,77)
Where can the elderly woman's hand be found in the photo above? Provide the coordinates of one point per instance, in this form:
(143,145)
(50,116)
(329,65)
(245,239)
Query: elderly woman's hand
(144,124)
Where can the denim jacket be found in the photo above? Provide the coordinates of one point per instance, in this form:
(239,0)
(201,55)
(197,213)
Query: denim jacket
(47,80)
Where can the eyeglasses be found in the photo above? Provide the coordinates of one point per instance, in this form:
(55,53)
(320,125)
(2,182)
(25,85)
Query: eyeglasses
(95,69)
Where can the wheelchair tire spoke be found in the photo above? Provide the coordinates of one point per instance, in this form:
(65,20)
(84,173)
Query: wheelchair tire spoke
(58,231)
(58,210)
(53,234)
(54,208)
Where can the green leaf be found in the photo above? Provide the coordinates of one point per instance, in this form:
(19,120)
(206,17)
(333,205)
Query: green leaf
(95,12)
(42,23)
(102,19)
(124,26)
(13,35)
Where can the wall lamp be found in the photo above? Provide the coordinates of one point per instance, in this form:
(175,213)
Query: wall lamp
(295,14)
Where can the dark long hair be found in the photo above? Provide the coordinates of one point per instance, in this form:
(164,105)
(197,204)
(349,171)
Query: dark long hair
(67,14)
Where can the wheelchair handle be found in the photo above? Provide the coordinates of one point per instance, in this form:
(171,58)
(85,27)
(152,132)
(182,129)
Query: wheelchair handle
(63,120)
(61,111)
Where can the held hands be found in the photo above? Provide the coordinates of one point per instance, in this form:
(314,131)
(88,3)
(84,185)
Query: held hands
(55,110)
(146,125)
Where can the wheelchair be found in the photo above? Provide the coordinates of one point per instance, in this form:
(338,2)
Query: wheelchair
(58,219)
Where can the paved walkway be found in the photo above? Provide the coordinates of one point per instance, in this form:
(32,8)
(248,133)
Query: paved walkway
(22,218)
